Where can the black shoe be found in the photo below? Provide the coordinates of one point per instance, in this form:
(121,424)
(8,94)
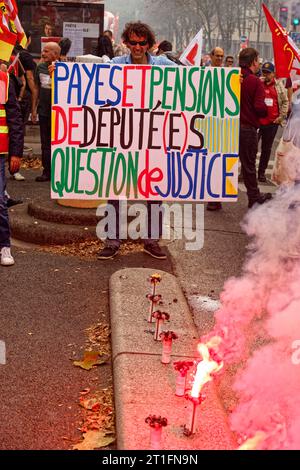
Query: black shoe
(214,206)
(108,252)
(42,178)
(153,249)
(13,202)
(260,200)
(262,178)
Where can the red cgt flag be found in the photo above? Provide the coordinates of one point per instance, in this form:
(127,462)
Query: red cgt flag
(286,52)
(12,9)
(7,37)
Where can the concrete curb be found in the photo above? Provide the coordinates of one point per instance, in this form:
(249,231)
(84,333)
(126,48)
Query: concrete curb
(29,229)
(143,385)
(43,221)
(50,211)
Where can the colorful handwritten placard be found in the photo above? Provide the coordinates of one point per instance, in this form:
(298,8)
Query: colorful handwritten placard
(145,132)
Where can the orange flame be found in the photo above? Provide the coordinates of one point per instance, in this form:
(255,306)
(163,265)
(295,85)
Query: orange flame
(253,442)
(204,370)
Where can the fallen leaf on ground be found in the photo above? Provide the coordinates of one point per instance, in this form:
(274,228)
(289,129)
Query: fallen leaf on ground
(96,407)
(99,338)
(31,162)
(98,413)
(90,403)
(94,440)
(90,359)
(90,248)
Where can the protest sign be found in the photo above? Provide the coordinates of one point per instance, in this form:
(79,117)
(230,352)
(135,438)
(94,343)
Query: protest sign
(144,132)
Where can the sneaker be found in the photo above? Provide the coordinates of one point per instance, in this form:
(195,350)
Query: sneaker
(260,200)
(6,258)
(214,206)
(13,202)
(18,177)
(153,249)
(108,252)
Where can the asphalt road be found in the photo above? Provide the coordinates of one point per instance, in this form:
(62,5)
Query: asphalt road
(47,303)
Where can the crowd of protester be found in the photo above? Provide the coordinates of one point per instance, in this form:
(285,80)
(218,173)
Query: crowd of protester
(264,107)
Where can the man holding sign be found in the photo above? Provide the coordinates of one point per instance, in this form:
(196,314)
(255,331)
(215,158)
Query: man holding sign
(139,38)
(141,128)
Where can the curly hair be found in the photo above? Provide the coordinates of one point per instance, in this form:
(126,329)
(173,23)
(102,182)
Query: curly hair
(141,30)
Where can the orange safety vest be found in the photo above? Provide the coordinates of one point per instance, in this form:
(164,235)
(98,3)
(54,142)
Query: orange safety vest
(4,81)
(3,123)
(3,131)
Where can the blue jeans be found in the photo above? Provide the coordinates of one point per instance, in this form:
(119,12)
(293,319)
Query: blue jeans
(4,224)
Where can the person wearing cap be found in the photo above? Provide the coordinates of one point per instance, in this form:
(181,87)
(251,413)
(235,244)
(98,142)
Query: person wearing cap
(278,104)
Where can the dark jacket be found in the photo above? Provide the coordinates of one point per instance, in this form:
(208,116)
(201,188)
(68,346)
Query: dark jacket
(14,123)
(253,104)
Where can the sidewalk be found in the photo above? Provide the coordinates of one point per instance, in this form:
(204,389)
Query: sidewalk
(142,384)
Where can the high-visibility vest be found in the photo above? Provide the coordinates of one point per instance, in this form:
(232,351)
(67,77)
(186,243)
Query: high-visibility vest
(3,123)
(3,131)
(4,80)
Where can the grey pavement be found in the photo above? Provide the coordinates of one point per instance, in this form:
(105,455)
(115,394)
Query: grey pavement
(46,305)
(143,385)
(43,321)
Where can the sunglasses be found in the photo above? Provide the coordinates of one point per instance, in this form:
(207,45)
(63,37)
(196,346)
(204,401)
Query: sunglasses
(141,43)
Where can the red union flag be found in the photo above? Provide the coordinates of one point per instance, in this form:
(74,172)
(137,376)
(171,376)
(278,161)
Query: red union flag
(192,54)
(12,16)
(286,53)
(7,37)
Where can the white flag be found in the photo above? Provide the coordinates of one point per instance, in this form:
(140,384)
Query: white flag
(192,54)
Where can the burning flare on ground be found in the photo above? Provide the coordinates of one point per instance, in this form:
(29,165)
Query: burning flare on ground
(205,369)
(253,442)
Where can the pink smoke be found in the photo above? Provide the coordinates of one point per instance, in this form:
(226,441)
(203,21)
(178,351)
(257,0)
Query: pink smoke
(259,323)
